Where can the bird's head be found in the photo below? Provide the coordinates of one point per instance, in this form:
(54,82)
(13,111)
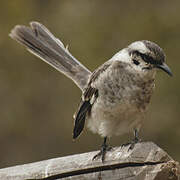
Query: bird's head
(147,56)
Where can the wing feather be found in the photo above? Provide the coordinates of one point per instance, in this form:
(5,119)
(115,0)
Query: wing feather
(89,96)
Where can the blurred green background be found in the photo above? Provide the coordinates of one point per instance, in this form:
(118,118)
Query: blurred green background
(37,102)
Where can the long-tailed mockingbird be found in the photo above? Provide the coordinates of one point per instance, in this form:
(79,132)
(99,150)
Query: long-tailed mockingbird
(115,95)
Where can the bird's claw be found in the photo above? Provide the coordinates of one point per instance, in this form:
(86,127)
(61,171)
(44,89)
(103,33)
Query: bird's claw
(102,152)
(132,143)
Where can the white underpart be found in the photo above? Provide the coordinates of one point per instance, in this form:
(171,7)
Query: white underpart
(118,114)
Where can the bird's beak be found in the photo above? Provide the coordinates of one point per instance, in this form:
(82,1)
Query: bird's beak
(165,68)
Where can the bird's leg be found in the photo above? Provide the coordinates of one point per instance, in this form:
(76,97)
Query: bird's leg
(134,141)
(136,136)
(104,149)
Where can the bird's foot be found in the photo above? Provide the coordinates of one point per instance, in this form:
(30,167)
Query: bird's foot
(102,153)
(133,142)
(104,149)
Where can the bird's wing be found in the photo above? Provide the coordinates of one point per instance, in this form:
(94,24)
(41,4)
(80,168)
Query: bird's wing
(42,43)
(89,96)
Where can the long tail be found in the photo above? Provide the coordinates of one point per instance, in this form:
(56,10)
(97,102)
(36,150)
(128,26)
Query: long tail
(42,43)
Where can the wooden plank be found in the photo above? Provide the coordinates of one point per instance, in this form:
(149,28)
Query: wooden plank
(145,161)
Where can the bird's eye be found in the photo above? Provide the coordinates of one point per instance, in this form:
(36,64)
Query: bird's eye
(136,62)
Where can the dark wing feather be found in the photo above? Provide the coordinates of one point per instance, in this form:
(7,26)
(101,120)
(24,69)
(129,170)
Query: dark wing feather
(80,118)
(86,103)
(84,108)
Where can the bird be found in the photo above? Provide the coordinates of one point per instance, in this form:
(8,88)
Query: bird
(115,96)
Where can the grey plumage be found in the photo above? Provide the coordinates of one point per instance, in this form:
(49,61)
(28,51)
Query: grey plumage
(116,95)
(39,41)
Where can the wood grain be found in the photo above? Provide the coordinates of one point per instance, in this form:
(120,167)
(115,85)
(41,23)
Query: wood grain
(146,161)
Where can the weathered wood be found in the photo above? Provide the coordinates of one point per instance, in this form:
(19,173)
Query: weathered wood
(146,161)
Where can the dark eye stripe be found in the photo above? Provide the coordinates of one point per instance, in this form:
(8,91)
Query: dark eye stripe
(147,58)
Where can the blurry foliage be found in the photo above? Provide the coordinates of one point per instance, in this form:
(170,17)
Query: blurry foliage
(37,102)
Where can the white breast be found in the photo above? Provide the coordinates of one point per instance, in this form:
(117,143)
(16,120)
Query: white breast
(117,110)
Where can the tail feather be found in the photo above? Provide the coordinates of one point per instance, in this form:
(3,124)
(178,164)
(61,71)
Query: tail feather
(42,43)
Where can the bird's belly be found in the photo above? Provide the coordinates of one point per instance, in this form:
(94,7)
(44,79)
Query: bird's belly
(119,118)
(121,104)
